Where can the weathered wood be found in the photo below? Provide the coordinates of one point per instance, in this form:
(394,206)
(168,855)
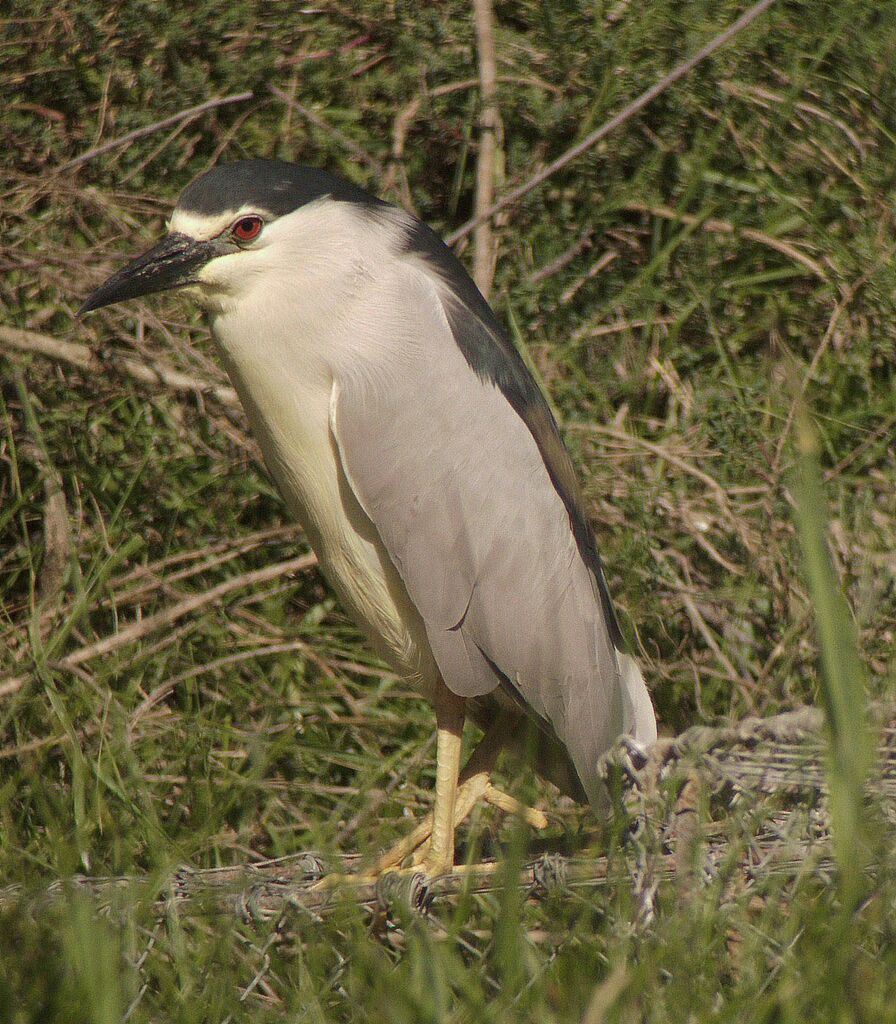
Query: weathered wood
(783,754)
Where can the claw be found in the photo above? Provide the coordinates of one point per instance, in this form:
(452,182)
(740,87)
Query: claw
(472,786)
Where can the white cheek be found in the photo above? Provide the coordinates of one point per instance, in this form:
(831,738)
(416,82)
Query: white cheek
(229,275)
(222,272)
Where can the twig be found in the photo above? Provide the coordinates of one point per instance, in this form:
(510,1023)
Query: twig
(162,691)
(262,892)
(49,742)
(585,241)
(599,265)
(405,118)
(147,579)
(884,430)
(702,627)
(56,534)
(11,685)
(45,345)
(627,112)
(686,835)
(85,358)
(484,249)
(765,98)
(809,374)
(139,133)
(723,227)
(697,620)
(146,161)
(619,326)
(138,630)
(608,991)
(661,453)
(783,753)
(339,136)
(789,727)
(302,58)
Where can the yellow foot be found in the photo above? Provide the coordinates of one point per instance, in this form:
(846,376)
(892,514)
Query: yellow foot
(510,805)
(431,867)
(416,846)
(429,849)
(431,871)
(336,878)
(491,795)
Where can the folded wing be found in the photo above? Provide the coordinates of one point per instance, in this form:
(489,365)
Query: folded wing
(456,483)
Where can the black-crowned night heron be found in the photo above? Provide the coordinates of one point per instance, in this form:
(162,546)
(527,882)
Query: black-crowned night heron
(407,436)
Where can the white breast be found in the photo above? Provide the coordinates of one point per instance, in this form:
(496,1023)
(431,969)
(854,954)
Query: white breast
(281,361)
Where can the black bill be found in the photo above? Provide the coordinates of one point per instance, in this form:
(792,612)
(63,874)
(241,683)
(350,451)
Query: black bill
(170,264)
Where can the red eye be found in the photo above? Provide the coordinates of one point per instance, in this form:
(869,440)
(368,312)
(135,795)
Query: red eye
(247,228)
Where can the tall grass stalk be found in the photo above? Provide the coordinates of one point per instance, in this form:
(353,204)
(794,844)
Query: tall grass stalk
(843,686)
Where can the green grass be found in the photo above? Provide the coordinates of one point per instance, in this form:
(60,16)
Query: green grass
(747,224)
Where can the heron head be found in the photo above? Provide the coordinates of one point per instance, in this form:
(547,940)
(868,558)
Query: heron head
(235,223)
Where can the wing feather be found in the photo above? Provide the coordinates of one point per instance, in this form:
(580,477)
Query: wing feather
(459,491)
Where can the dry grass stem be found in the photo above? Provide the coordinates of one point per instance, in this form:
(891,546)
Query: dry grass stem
(125,140)
(84,358)
(153,623)
(605,129)
(319,122)
(484,243)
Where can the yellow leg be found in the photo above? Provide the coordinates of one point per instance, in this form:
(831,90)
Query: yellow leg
(461,793)
(472,784)
(450,713)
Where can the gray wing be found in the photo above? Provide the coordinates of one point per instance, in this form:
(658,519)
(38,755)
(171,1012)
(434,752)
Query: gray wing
(457,487)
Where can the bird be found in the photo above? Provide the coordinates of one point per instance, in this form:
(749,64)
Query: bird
(407,436)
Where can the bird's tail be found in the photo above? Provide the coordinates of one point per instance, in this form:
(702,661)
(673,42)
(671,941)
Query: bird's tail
(638,716)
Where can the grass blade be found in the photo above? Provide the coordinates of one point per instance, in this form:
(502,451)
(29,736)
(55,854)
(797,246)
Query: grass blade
(843,686)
